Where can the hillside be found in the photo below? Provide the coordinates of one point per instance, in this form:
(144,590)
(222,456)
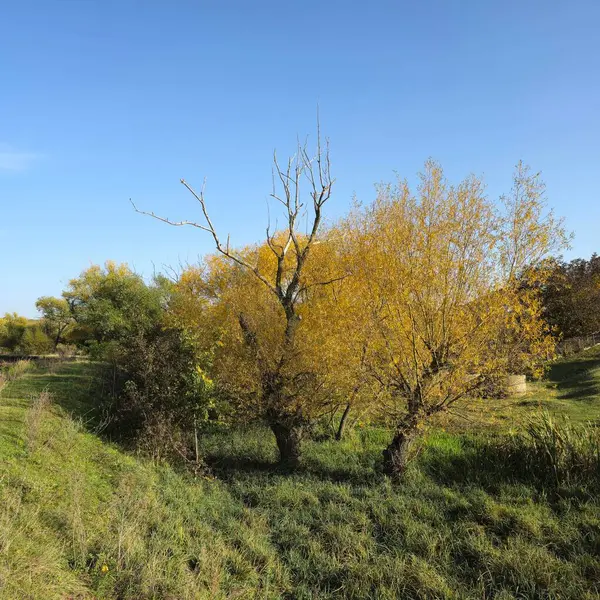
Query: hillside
(571,387)
(82,518)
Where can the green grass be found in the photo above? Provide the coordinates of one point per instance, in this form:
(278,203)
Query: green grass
(81,518)
(571,387)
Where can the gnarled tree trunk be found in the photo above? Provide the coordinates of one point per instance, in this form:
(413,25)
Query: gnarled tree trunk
(289,440)
(397,455)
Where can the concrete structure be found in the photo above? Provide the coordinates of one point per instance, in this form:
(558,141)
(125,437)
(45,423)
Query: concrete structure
(516,385)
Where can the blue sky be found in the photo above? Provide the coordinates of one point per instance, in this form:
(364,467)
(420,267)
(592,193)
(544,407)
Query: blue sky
(105,100)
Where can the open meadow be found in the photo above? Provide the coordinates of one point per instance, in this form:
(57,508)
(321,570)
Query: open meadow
(474,517)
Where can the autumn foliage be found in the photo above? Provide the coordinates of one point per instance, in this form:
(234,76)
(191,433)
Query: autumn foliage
(401,309)
(438,281)
(424,298)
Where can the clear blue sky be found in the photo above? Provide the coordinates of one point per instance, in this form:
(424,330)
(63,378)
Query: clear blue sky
(105,100)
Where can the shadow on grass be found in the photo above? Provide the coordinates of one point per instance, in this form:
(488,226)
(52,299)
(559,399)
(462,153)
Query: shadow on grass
(469,461)
(492,462)
(575,379)
(226,466)
(243,452)
(229,468)
(459,461)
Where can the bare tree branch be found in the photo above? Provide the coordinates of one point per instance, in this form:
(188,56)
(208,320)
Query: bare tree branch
(316,170)
(307,287)
(167,220)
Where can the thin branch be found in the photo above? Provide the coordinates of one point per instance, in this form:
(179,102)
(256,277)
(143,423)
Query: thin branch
(210,229)
(167,220)
(289,177)
(318,283)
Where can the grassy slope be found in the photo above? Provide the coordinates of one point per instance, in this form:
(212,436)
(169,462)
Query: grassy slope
(571,387)
(78,515)
(80,518)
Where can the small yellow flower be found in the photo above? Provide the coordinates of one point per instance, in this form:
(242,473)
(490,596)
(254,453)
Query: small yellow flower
(104,568)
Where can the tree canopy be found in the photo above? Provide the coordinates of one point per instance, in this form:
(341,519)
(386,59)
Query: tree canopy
(571,296)
(437,272)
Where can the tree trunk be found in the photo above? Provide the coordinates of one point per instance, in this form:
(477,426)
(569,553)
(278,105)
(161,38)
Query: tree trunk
(196,448)
(396,456)
(289,440)
(343,421)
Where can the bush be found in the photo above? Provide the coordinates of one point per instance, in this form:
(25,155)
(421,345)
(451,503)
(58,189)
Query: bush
(164,393)
(35,341)
(12,329)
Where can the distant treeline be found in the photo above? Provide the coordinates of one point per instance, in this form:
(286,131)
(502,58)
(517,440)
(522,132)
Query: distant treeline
(571,297)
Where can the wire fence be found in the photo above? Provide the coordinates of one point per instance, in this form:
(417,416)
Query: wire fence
(577,344)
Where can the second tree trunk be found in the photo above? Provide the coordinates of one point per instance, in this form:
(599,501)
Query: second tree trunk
(289,439)
(397,455)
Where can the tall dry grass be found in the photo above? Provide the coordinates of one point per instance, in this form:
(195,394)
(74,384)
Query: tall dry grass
(34,420)
(566,452)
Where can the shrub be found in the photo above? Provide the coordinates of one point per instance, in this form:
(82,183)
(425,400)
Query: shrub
(12,329)
(164,392)
(35,341)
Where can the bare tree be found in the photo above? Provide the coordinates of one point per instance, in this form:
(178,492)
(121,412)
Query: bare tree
(284,416)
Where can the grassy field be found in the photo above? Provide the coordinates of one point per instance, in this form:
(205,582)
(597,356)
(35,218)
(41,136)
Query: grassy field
(571,388)
(81,518)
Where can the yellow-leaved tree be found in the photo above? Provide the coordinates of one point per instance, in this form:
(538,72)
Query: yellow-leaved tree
(438,276)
